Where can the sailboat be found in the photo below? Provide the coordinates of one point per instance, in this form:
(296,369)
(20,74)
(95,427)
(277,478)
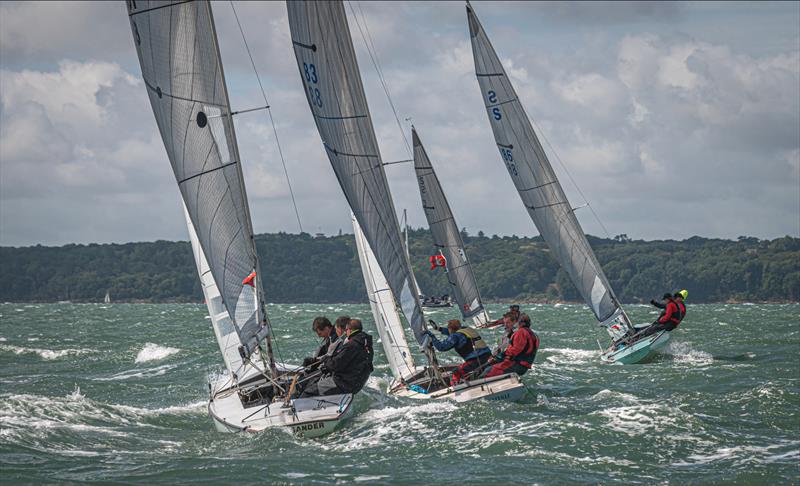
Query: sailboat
(431,301)
(447,238)
(182,71)
(547,204)
(107,298)
(331,79)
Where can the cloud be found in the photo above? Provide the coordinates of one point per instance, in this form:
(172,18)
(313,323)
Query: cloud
(645,109)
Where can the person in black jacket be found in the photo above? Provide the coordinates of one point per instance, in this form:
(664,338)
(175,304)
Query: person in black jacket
(347,370)
(324,329)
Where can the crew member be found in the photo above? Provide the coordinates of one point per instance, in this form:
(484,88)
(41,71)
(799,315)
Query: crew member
(668,320)
(340,326)
(679,298)
(513,309)
(322,326)
(467,343)
(520,353)
(348,369)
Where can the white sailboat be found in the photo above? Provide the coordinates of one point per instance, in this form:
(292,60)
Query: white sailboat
(332,82)
(447,238)
(179,56)
(107,298)
(547,204)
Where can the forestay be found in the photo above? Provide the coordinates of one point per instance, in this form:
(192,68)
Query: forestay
(329,72)
(182,71)
(537,184)
(446,235)
(384,309)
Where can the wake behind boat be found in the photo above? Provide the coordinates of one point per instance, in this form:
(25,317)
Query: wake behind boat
(179,56)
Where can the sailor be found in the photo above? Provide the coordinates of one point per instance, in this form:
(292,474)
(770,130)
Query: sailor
(520,353)
(467,343)
(322,326)
(679,298)
(513,309)
(668,320)
(510,325)
(347,370)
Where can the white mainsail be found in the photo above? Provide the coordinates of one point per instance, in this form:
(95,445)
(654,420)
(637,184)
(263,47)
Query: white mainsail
(334,91)
(538,186)
(384,310)
(447,237)
(179,56)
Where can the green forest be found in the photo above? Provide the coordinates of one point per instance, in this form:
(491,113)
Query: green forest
(305,268)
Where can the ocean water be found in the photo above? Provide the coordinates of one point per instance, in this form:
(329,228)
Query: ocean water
(116,393)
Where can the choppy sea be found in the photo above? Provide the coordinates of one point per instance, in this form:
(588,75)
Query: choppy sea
(116,393)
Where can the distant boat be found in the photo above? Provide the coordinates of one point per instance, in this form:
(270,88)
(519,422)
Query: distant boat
(107,298)
(182,71)
(547,204)
(327,63)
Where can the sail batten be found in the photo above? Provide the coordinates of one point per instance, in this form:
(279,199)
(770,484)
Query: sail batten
(329,73)
(446,235)
(536,181)
(178,52)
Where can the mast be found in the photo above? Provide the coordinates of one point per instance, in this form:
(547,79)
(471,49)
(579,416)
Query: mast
(537,184)
(178,52)
(329,72)
(447,237)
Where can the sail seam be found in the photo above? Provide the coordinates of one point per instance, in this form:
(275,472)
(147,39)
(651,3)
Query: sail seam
(207,171)
(158,8)
(502,103)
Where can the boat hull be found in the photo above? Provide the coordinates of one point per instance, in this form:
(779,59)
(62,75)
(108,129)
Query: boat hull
(304,417)
(641,351)
(507,387)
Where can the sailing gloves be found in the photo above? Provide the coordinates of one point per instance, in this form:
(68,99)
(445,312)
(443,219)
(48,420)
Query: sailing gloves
(433,324)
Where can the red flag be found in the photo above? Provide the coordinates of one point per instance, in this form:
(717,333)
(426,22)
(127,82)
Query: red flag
(249,279)
(437,261)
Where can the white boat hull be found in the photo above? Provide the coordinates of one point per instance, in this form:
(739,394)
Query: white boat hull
(507,387)
(640,351)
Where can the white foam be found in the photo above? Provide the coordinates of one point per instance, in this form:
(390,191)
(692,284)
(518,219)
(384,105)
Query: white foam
(684,353)
(154,352)
(571,356)
(47,354)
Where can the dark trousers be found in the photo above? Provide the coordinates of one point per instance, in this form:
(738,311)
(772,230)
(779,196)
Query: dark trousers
(324,385)
(504,367)
(658,326)
(468,367)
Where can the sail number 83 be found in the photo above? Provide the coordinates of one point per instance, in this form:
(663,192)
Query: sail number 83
(310,73)
(508,158)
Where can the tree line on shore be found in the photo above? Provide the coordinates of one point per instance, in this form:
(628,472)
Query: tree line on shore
(304,268)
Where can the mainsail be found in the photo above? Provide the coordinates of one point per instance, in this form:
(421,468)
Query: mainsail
(329,72)
(384,310)
(181,67)
(537,184)
(446,236)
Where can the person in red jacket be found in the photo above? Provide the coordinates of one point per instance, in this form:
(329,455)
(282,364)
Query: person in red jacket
(520,353)
(668,320)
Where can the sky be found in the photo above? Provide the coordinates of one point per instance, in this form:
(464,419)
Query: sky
(673,119)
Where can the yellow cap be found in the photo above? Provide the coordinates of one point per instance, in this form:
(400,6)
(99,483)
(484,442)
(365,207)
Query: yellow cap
(684,293)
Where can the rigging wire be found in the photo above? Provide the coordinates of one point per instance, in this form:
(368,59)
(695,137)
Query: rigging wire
(574,183)
(280,152)
(373,55)
(271,119)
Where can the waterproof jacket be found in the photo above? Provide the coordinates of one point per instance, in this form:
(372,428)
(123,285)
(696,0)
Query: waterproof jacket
(327,344)
(671,314)
(351,364)
(682,308)
(467,343)
(523,347)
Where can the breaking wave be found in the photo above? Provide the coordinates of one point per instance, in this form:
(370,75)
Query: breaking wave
(47,354)
(154,352)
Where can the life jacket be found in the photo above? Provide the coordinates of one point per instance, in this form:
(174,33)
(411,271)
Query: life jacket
(681,310)
(474,342)
(526,357)
(676,315)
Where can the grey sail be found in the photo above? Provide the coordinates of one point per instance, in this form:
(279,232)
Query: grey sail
(182,71)
(536,181)
(446,235)
(332,82)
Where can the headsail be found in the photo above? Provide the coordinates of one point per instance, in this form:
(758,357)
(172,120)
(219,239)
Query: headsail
(181,67)
(384,310)
(329,71)
(536,181)
(446,236)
